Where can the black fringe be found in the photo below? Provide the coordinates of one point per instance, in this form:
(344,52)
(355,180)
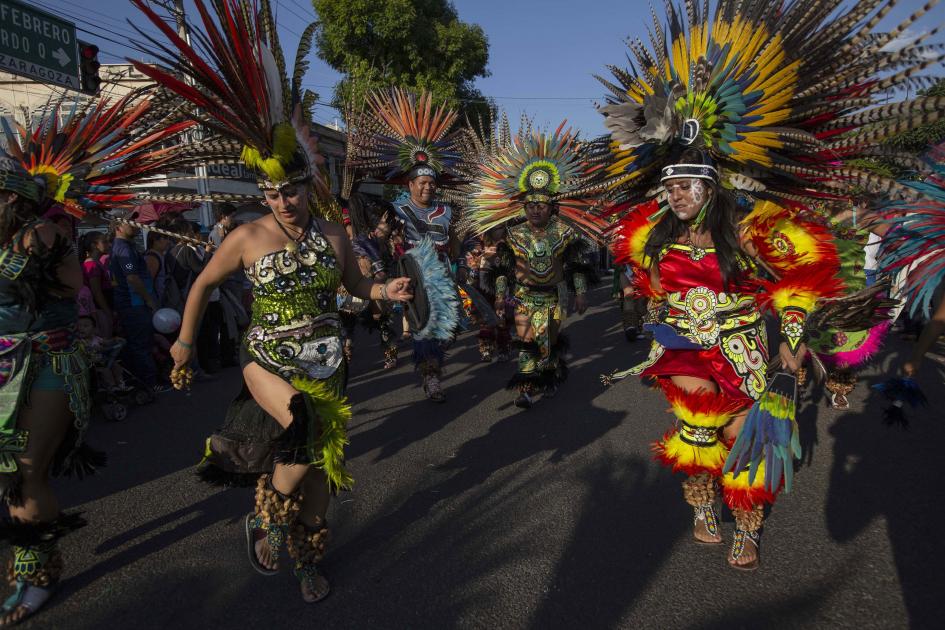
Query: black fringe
(292,447)
(895,416)
(83,462)
(537,380)
(24,534)
(215,476)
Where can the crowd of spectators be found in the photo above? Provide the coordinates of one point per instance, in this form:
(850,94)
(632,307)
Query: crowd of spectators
(127,280)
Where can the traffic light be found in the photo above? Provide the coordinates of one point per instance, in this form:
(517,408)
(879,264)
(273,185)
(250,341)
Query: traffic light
(89,81)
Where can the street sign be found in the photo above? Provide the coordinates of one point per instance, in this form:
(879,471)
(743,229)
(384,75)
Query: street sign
(38,45)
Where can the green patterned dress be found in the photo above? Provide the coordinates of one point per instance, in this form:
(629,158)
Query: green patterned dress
(295,333)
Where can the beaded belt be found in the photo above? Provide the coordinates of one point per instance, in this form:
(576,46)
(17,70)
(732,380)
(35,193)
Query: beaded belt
(55,340)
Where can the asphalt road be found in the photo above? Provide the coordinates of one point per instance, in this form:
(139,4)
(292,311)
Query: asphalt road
(473,514)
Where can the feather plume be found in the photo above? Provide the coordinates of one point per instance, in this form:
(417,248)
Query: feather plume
(784,95)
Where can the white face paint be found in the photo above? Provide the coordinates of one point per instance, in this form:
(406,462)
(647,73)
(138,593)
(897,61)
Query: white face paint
(698,192)
(686,196)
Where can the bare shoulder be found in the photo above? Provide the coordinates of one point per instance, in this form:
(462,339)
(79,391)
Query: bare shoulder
(332,229)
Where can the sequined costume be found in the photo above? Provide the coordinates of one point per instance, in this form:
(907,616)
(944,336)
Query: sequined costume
(80,160)
(295,333)
(545,256)
(547,172)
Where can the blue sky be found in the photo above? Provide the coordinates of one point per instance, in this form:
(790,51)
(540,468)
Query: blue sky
(542,54)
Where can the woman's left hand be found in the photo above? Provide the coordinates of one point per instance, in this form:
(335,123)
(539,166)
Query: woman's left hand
(792,361)
(399,290)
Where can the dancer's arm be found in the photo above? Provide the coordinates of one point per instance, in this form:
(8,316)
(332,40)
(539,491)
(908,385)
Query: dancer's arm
(227,259)
(353,280)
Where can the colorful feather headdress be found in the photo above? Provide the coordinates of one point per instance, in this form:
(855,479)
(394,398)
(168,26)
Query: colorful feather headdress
(531,166)
(95,157)
(781,95)
(914,247)
(401,135)
(236,78)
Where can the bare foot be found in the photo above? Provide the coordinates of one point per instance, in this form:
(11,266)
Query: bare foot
(264,552)
(315,589)
(33,599)
(748,559)
(15,616)
(700,531)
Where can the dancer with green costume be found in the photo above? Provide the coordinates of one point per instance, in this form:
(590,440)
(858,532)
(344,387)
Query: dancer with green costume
(286,430)
(529,184)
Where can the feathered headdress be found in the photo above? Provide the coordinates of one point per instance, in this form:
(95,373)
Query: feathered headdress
(96,156)
(236,77)
(914,247)
(532,166)
(401,136)
(781,95)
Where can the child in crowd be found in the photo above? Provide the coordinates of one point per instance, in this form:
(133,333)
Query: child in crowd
(102,354)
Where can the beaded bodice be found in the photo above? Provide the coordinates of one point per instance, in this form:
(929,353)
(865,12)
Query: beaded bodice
(541,250)
(295,327)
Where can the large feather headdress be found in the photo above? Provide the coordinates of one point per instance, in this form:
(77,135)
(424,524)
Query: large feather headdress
(401,133)
(531,166)
(780,94)
(235,76)
(914,248)
(95,157)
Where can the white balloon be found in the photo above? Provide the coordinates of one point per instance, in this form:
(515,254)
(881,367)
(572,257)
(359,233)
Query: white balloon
(166,320)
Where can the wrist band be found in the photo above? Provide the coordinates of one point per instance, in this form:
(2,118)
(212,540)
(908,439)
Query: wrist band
(384,293)
(184,344)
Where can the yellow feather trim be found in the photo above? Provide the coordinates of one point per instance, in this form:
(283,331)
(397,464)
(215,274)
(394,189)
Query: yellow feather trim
(329,413)
(681,456)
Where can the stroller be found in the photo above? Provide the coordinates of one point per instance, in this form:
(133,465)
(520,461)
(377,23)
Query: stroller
(113,402)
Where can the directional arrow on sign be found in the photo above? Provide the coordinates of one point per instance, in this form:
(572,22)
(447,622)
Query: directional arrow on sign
(61,56)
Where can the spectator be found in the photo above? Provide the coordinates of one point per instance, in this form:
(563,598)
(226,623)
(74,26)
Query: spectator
(189,261)
(95,277)
(155,258)
(235,316)
(225,216)
(102,353)
(134,304)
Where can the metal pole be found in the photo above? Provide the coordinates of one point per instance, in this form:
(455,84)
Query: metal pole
(203,184)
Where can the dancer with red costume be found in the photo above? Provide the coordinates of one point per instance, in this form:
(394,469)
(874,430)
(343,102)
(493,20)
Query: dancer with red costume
(735,122)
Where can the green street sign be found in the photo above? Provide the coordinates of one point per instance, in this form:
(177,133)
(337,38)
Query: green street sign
(38,45)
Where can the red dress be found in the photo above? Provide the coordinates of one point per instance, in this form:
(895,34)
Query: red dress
(726,326)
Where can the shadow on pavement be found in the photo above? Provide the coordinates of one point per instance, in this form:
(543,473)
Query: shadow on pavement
(220,506)
(884,473)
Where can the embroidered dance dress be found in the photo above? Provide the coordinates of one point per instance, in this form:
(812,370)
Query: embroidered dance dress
(295,333)
(708,332)
(39,350)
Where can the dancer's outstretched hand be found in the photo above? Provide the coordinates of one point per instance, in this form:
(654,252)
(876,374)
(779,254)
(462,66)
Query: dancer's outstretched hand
(792,361)
(399,290)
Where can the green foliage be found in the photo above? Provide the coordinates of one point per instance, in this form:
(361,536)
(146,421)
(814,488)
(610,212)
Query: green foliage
(918,140)
(418,44)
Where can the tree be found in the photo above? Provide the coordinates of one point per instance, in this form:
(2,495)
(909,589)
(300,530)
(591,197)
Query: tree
(417,44)
(913,142)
